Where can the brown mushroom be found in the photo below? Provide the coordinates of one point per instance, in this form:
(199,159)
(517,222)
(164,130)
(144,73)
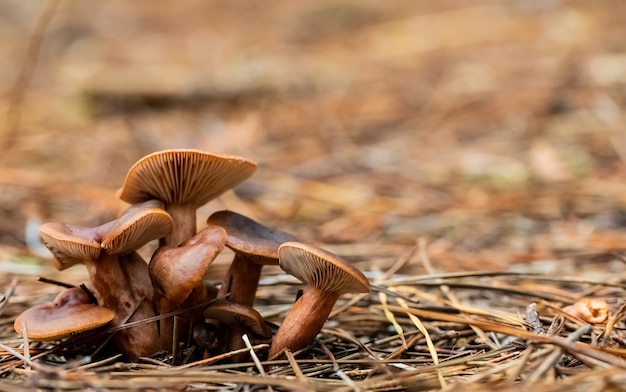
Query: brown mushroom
(119,276)
(176,271)
(176,274)
(327,276)
(69,313)
(183,180)
(238,319)
(255,245)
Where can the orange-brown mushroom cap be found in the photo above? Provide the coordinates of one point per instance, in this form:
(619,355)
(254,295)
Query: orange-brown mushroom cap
(249,237)
(68,314)
(255,245)
(322,269)
(184,176)
(70,244)
(327,277)
(138,225)
(183,180)
(176,271)
(232,313)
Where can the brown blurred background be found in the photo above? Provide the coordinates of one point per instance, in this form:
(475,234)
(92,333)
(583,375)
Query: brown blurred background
(492,130)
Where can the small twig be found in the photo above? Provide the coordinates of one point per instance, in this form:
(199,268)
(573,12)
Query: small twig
(255,359)
(55,282)
(8,294)
(610,324)
(216,358)
(391,317)
(92,298)
(294,365)
(26,345)
(344,377)
(10,350)
(429,343)
(190,351)
(175,335)
(164,315)
(92,365)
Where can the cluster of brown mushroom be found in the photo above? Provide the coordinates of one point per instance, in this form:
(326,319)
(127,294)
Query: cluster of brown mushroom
(165,189)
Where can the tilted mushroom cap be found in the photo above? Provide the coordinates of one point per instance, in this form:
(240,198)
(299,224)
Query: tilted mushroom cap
(176,271)
(247,236)
(138,225)
(70,244)
(68,314)
(184,176)
(322,269)
(232,313)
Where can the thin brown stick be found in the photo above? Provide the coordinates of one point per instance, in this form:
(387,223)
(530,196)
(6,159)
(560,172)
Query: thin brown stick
(8,294)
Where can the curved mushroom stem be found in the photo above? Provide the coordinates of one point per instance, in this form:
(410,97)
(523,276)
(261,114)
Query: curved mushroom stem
(124,287)
(303,321)
(184,219)
(241,280)
(176,274)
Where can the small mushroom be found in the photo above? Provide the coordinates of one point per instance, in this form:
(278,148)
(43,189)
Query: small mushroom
(255,245)
(327,276)
(238,319)
(176,271)
(119,276)
(184,180)
(176,274)
(69,313)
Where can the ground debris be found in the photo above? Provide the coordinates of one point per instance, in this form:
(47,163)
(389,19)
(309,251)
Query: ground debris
(468,157)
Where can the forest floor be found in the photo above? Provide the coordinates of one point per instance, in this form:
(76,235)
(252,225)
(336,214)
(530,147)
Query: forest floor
(469,158)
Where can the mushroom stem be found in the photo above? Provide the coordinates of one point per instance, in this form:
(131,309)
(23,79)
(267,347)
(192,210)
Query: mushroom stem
(241,280)
(303,321)
(176,274)
(235,342)
(184,224)
(124,287)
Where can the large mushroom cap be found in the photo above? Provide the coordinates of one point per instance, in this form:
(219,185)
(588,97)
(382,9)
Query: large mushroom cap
(138,225)
(184,176)
(322,269)
(232,313)
(70,244)
(247,236)
(68,314)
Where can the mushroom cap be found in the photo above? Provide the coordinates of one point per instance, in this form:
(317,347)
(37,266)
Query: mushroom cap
(138,225)
(71,244)
(183,177)
(233,313)
(175,271)
(247,236)
(322,269)
(68,314)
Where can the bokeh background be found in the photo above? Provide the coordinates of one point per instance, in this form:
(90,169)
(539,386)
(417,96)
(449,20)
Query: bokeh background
(489,132)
